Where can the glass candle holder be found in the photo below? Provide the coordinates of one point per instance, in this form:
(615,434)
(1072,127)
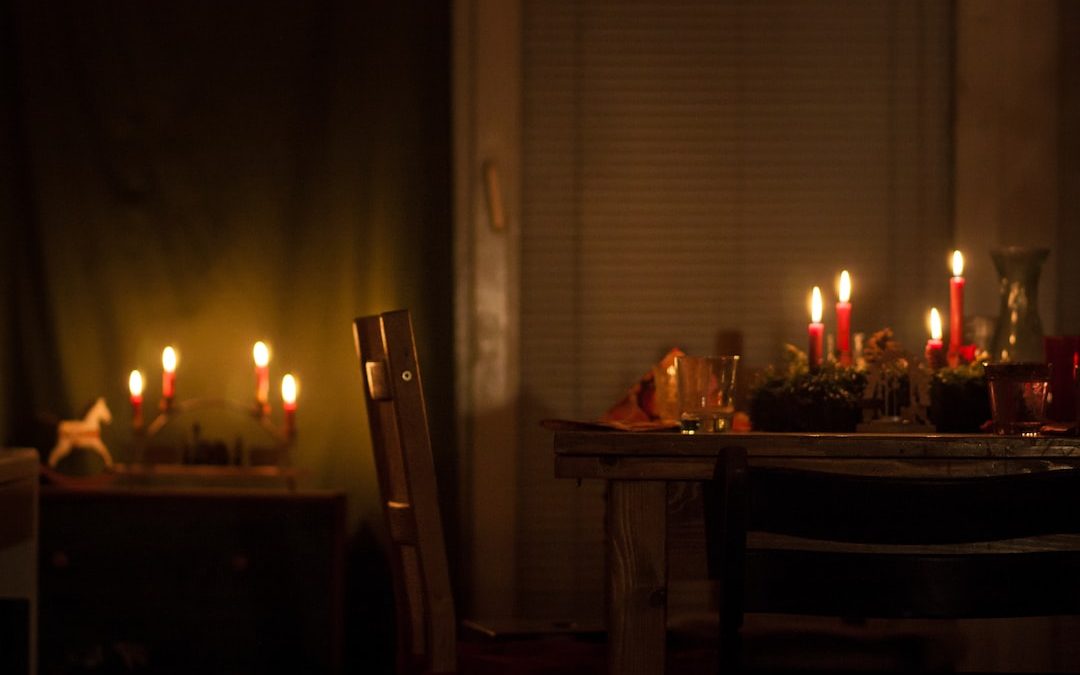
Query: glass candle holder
(1018,396)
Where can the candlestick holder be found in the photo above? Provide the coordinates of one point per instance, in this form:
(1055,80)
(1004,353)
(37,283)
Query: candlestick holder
(261,409)
(161,434)
(897,393)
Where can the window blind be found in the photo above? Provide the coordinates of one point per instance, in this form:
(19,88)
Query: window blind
(692,168)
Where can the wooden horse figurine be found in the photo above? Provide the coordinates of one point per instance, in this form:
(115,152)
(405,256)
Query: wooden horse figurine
(84,433)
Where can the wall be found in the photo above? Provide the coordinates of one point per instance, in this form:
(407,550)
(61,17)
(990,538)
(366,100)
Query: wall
(1016,165)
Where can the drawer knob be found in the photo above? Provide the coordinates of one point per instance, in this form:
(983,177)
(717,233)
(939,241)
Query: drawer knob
(240,562)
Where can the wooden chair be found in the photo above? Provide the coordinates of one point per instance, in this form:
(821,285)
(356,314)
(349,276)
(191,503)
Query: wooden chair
(426,621)
(909,547)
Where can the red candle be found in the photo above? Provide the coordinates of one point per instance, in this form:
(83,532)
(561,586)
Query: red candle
(289,390)
(168,377)
(816,329)
(843,319)
(1063,355)
(261,353)
(135,387)
(935,348)
(956,308)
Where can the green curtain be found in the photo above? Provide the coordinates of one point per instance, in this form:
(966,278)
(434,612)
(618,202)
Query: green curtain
(210,174)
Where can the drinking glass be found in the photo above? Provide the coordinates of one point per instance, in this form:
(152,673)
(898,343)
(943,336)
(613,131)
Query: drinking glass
(706,392)
(1017,396)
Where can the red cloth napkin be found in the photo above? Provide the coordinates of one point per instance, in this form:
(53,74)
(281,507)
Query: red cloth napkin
(649,405)
(652,401)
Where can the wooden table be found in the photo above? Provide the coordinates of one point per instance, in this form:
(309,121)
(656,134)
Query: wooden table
(642,467)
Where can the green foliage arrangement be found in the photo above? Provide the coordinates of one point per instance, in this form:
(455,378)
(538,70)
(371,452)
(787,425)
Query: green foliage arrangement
(791,398)
(959,398)
(833,398)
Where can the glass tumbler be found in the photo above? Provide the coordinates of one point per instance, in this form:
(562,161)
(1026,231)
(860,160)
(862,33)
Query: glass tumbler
(1018,396)
(706,386)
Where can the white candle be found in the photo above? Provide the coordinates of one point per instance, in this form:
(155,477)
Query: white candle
(289,390)
(261,353)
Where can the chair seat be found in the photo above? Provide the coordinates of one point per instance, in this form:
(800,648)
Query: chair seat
(563,655)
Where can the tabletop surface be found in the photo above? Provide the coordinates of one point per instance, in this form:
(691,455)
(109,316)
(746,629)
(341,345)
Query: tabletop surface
(669,455)
(808,445)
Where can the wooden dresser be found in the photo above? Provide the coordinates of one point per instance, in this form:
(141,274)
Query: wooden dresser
(18,558)
(196,580)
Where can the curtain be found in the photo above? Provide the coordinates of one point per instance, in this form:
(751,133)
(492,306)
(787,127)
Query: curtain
(206,175)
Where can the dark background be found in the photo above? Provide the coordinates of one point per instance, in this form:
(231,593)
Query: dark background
(208,174)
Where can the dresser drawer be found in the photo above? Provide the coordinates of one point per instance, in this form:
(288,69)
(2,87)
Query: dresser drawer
(244,580)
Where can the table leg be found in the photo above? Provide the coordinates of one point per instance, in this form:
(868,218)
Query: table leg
(637,577)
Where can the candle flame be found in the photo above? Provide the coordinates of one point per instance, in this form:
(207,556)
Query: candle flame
(289,389)
(815,305)
(845,286)
(957,264)
(935,324)
(135,383)
(261,353)
(169,359)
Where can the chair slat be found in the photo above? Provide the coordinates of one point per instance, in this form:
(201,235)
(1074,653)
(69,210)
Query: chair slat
(863,529)
(378,388)
(874,509)
(398,420)
(867,585)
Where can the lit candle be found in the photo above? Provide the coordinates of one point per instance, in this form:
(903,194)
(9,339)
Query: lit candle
(135,386)
(261,353)
(168,377)
(817,330)
(843,319)
(289,390)
(956,308)
(935,353)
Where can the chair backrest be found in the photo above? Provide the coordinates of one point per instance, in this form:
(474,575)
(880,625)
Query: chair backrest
(426,629)
(892,547)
